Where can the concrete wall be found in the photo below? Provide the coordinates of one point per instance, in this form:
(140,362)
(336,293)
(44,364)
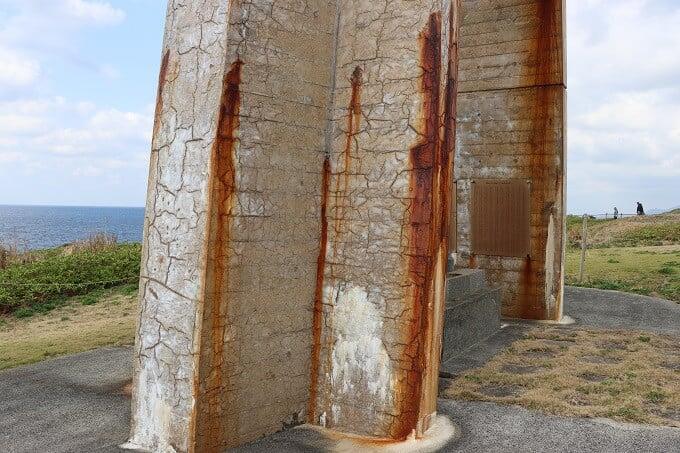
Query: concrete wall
(511,120)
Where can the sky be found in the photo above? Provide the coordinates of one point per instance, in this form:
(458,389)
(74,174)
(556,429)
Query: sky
(78,84)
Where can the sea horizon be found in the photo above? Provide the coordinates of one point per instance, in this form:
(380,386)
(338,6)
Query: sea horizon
(48,205)
(33,227)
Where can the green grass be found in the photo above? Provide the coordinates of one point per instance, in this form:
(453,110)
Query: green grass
(648,271)
(628,232)
(46,282)
(660,234)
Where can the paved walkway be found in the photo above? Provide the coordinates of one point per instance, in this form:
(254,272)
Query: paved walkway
(615,310)
(77,403)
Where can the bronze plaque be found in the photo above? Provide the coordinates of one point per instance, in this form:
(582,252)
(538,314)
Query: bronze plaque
(500,217)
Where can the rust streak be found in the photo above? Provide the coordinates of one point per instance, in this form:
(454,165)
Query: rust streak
(162,78)
(318,293)
(353,121)
(426,161)
(532,297)
(221,204)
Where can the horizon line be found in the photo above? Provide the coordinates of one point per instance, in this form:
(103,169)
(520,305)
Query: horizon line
(68,206)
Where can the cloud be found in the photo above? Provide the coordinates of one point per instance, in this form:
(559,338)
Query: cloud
(37,34)
(78,137)
(94,11)
(57,125)
(17,70)
(624,103)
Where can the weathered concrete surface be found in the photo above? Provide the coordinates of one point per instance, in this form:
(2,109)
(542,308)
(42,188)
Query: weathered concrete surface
(295,189)
(511,120)
(381,291)
(488,427)
(617,310)
(69,404)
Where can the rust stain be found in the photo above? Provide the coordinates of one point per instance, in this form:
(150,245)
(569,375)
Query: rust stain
(450,112)
(162,78)
(342,183)
(532,307)
(473,261)
(424,229)
(544,189)
(211,424)
(318,293)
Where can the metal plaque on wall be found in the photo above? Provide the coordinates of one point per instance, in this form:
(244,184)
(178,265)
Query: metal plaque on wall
(500,217)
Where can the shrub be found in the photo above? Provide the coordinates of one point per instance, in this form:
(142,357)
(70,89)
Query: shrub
(44,283)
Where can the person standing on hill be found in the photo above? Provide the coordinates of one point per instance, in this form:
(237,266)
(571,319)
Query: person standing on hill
(616,213)
(640,209)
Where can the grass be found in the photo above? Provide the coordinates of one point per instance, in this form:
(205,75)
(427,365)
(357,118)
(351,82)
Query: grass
(653,230)
(627,376)
(38,282)
(101,318)
(650,271)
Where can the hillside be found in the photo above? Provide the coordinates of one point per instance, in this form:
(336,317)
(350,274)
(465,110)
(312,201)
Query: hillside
(652,230)
(637,254)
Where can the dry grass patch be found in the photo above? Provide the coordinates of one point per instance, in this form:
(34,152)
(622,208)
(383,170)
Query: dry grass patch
(624,375)
(75,327)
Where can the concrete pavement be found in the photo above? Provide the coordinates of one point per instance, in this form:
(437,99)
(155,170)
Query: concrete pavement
(78,403)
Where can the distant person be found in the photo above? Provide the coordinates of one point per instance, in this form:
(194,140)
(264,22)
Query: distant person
(616,213)
(640,209)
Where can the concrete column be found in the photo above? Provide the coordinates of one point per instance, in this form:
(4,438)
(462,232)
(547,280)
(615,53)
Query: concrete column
(511,121)
(380,290)
(295,234)
(233,223)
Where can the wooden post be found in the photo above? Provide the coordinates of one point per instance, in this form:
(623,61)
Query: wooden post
(584,246)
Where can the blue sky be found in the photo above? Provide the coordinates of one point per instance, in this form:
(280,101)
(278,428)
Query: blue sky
(78,82)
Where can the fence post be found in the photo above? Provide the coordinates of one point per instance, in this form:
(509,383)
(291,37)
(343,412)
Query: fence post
(584,246)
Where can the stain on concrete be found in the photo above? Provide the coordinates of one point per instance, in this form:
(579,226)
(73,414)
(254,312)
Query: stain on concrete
(162,79)
(342,182)
(318,294)
(426,161)
(212,431)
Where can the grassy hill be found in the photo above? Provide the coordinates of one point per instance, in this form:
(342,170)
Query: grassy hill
(638,254)
(653,230)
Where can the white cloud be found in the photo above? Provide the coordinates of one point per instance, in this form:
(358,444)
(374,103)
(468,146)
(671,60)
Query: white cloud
(17,70)
(624,102)
(37,34)
(95,11)
(88,137)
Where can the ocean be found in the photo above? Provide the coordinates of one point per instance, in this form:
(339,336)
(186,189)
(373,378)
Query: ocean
(37,227)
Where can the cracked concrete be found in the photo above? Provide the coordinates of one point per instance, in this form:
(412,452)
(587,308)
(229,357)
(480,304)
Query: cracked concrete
(298,211)
(511,118)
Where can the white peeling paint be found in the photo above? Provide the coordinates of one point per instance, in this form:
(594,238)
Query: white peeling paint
(360,362)
(549,265)
(153,417)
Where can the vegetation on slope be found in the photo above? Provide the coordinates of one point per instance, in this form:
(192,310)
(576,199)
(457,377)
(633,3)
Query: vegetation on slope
(637,254)
(628,232)
(37,282)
